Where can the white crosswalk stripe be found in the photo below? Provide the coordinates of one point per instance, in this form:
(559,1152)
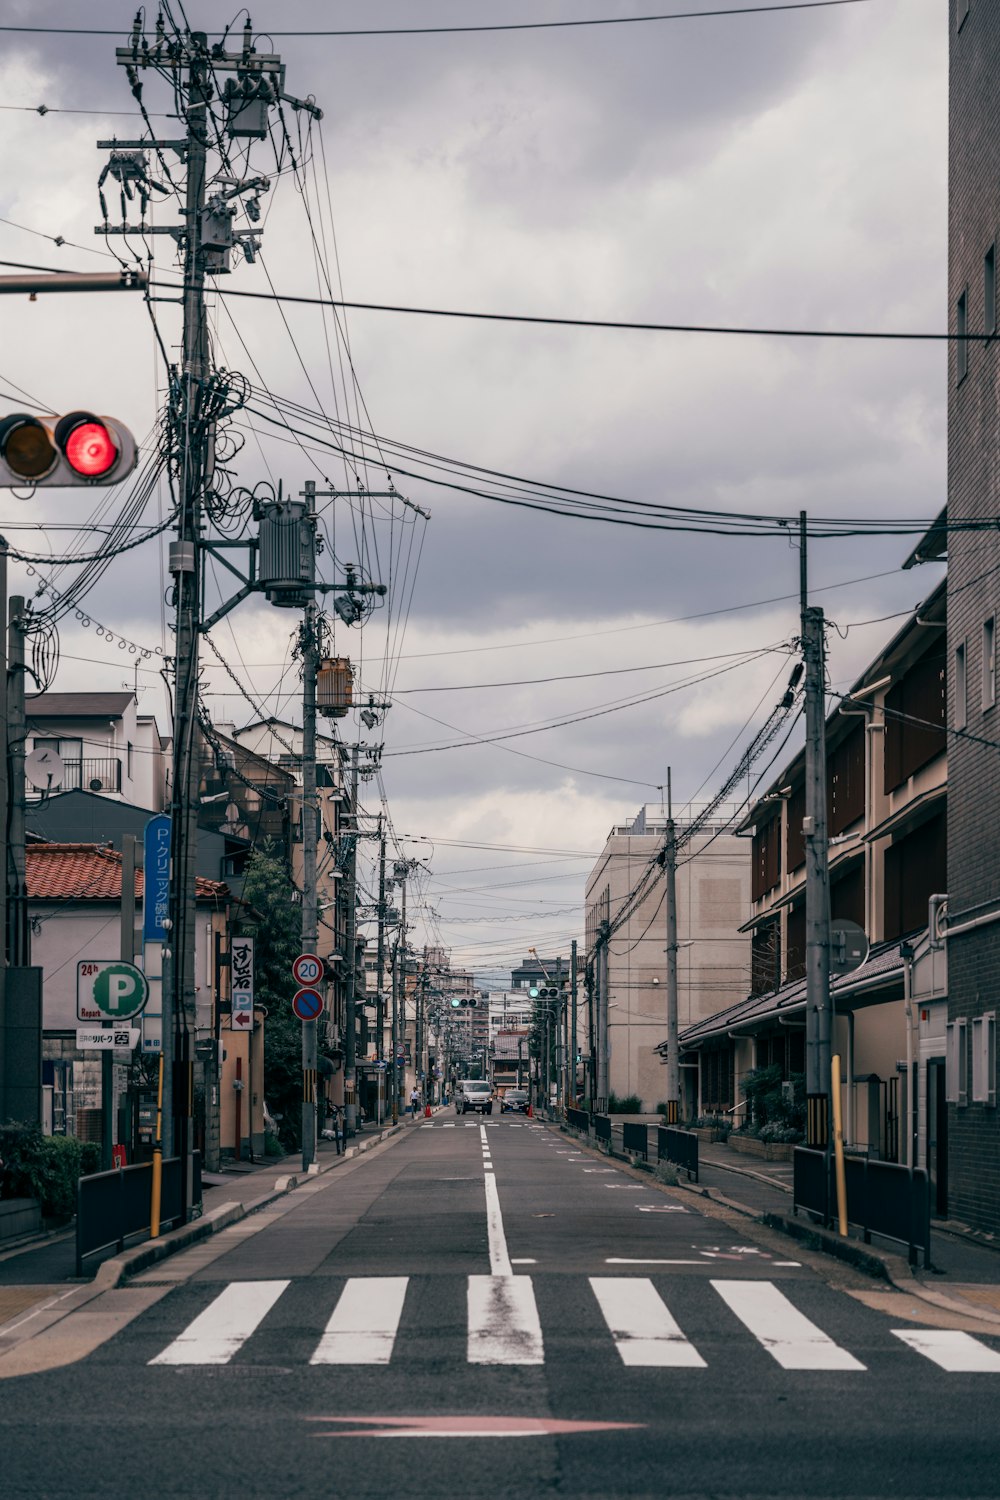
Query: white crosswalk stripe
(225,1325)
(786,1334)
(644,1331)
(362,1327)
(503,1326)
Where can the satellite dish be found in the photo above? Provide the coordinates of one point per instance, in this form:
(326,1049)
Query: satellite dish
(44,769)
(848,947)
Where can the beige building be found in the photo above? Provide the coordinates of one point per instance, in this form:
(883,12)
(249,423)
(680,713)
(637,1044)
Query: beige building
(627,991)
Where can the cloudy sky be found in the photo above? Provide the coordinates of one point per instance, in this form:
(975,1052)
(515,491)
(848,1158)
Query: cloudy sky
(780,170)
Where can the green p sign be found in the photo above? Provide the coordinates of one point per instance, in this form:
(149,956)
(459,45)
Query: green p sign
(109,990)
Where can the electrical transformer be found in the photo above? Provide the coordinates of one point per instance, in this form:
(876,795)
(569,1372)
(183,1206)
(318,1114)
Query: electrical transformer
(335,687)
(286,558)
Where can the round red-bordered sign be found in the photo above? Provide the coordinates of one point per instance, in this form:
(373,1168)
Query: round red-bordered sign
(307,1004)
(307,969)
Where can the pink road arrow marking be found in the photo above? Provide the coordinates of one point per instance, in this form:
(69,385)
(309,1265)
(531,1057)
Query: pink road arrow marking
(467,1427)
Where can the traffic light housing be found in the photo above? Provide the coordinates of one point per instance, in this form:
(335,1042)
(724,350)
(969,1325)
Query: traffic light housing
(48,452)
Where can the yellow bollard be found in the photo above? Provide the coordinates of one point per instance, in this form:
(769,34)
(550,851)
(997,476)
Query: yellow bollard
(154,1205)
(838,1146)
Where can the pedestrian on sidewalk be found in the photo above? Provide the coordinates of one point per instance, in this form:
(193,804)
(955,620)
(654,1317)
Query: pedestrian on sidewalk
(414,1101)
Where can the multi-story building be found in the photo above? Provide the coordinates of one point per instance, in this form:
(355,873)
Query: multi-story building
(629,981)
(96,742)
(887,794)
(973,917)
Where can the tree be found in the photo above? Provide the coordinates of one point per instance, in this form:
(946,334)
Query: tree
(275,921)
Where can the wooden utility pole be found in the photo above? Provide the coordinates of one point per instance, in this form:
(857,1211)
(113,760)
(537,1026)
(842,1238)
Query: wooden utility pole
(818,1027)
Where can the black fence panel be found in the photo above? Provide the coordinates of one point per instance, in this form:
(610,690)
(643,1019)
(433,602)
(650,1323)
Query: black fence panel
(579,1119)
(882,1197)
(635,1140)
(602,1127)
(112,1207)
(679,1147)
(810,1182)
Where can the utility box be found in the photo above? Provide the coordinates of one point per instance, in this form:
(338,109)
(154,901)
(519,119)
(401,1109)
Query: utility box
(335,687)
(286,559)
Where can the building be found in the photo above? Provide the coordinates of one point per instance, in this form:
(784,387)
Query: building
(95,742)
(888,789)
(629,985)
(508,1010)
(973,884)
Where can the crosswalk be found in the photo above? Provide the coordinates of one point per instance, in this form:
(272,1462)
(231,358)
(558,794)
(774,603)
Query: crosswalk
(503,1326)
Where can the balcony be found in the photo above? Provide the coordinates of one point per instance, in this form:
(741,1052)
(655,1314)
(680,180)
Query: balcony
(101,775)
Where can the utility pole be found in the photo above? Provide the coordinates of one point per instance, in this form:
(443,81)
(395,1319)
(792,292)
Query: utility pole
(673,1060)
(572,1033)
(351,961)
(818,1027)
(18,930)
(601,1006)
(394,1070)
(309,646)
(380,958)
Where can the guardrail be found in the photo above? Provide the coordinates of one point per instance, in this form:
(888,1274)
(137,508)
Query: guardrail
(882,1197)
(602,1128)
(635,1139)
(579,1119)
(679,1147)
(112,1207)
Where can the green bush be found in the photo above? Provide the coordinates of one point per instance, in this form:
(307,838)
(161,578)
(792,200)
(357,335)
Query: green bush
(272,1146)
(630,1105)
(44,1167)
(768,1104)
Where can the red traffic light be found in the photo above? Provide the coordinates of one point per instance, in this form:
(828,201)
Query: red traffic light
(88,445)
(79,448)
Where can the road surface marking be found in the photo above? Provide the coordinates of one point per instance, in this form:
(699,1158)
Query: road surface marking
(503,1320)
(959,1353)
(786,1334)
(656,1208)
(499,1258)
(465,1427)
(225,1325)
(621,1260)
(524,1260)
(362,1328)
(788,1263)
(641,1325)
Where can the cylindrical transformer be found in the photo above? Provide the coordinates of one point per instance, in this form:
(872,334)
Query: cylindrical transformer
(286,561)
(335,687)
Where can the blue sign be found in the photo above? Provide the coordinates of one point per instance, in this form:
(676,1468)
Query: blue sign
(156,879)
(307,1004)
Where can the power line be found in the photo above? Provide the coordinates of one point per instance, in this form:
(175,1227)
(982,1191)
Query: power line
(729,330)
(492,26)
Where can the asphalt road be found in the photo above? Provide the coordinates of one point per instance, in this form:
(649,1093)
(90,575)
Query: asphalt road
(545,1322)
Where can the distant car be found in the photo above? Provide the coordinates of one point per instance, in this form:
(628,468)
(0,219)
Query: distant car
(515,1100)
(473,1094)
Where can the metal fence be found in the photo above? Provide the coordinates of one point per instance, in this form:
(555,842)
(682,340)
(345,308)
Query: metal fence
(112,1207)
(602,1128)
(579,1119)
(635,1140)
(679,1147)
(882,1197)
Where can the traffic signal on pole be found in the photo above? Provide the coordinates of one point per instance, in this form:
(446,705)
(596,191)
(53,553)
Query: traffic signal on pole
(534,991)
(76,449)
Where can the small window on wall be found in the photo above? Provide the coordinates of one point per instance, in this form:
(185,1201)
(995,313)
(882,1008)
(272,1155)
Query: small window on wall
(984,1059)
(961,687)
(990,291)
(961,329)
(989,662)
(956,1064)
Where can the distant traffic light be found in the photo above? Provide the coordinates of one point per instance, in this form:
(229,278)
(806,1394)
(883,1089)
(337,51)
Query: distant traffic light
(77,449)
(534,991)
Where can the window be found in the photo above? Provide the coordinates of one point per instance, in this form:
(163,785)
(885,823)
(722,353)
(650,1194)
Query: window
(989,662)
(915,718)
(956,1064)
(961,702)
(128,759)
(990,291)
(961,329)
(984,1059)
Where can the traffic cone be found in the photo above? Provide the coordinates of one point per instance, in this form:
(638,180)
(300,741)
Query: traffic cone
(528,1111)
(427,1111)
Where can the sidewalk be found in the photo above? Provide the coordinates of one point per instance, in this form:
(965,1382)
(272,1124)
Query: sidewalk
(963,1269)
(49,1262)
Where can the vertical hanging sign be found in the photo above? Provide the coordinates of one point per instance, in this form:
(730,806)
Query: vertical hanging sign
(156,879)
(241,983)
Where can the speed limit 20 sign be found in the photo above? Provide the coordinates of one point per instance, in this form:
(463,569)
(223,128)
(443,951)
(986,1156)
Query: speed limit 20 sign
(307,968)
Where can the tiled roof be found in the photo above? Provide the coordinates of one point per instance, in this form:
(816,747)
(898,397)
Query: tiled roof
(90,872)
(884,962)
(76,705)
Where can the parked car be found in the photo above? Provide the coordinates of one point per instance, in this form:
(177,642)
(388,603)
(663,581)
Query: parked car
(473,1094)
(515,1100)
